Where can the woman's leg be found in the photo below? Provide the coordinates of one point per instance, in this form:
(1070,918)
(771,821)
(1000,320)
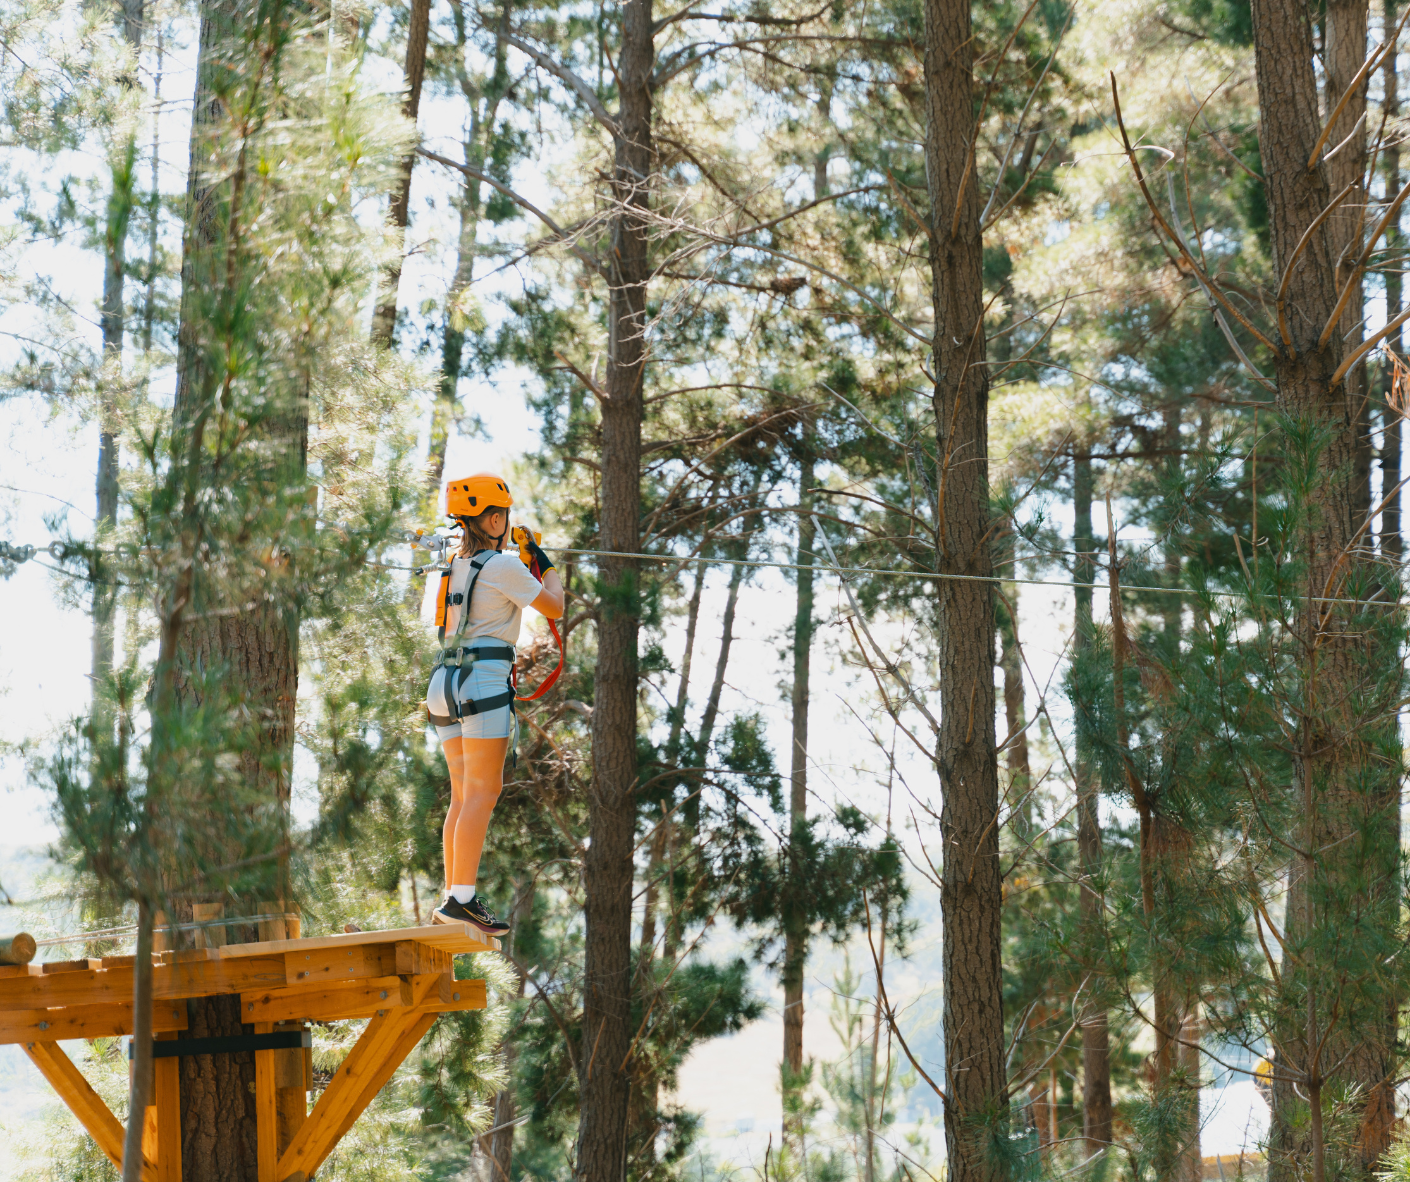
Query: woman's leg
(455,764)
(482,779)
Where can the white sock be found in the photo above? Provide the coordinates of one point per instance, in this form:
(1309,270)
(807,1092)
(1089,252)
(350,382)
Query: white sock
(462,894)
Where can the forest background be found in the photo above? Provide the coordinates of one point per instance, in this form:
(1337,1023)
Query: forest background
(787,417)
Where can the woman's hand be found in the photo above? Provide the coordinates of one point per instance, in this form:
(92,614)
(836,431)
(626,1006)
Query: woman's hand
(549,601)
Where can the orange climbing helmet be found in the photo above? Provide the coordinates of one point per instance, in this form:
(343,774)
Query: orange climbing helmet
(472,495)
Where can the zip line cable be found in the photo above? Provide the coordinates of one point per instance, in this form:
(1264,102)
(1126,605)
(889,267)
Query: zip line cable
(21,554)
(131,929)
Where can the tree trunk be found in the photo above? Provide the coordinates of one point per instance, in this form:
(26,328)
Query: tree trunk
(482,129)
(384,318)
(971,898)
(1096,1045)
(1177,995)
(1391,433)
(795,932)
(123,173)
(139,1092)
(1015,715)
(1331,760)
(712,703)
(692,619)
(604,1080)
(1191,1167)
(499,1152)
(254,644)
(1344,55)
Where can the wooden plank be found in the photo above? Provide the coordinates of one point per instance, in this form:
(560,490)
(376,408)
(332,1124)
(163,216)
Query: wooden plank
(340,1098)
(71,966)
(415,956)
(293,1111)
(87,987)
(461,995)
(20,970)
(454,938)
(327,965)
(82,1101)
(100,1021)
(321,1003)
(167,1088)
(213,936)
(210,977)
(407,1043)
(149,1133)
(362,1000)
(179,980)
(266,1111)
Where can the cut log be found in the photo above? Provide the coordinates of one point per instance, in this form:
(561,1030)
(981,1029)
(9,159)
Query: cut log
(17,949)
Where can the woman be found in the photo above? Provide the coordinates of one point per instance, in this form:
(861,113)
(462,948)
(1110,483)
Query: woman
(470,698)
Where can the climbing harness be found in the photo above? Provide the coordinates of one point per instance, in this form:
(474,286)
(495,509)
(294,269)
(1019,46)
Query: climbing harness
(456,661)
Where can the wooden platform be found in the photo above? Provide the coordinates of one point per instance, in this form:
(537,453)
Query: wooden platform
(399,981)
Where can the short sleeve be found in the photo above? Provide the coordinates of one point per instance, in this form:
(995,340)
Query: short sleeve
(513,579)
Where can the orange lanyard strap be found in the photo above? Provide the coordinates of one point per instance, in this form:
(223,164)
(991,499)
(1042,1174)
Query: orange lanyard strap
(548,681)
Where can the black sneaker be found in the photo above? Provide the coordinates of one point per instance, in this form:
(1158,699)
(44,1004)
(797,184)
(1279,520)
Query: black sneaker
(474,913)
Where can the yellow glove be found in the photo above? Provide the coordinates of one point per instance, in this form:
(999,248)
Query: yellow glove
(530,553)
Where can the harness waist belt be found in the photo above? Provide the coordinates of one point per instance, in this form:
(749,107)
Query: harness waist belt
(454,656)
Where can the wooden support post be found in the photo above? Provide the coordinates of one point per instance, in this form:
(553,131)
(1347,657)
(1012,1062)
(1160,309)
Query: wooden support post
(294,1078)
(378,1080)
(167,1085)
(208,913)
(83,1101)
(266,1110)
(149,1133)
(348,1094)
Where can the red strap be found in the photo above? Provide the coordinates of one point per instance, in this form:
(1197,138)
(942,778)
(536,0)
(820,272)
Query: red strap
(552,627)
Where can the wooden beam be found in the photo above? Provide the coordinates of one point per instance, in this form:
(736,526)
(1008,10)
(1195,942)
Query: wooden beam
(199,978)
(321,1003)
(454,938)
(101,1021)
(340,1099)
(166,1079)
(331,965)
(71,966)
(75,1091)
(378,1080)
(360,1000)
(266,1110)
(149,1134)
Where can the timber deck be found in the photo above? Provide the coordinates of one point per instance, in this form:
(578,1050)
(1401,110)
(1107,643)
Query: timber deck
(399,981)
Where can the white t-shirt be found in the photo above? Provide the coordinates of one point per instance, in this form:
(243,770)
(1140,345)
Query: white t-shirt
(505,587)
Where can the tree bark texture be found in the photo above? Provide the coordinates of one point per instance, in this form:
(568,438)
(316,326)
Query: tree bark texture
(604,1074)
(1392,435)
(1344,55)
(384,317)
(976,1116)
(795,934)
(1339,793)
(1015,714)
(254,644)
(1096,1040)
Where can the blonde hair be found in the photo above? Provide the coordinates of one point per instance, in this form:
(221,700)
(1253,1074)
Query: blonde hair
(474,536)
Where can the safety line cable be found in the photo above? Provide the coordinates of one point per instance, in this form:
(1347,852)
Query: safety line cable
(131,929)
(20,554)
